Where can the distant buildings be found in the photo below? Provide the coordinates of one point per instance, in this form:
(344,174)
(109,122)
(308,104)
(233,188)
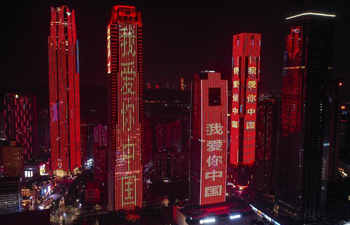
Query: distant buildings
(10,195)
(100,163)
(245,78)
(171,165)
(209,138)
(64,91)
(13,160)
(124,68)
(307,67)
(100,135)
(168,136)
(21,123)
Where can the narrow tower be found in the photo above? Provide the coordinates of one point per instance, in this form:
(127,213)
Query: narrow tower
(209,138)
(64,91)
(124,68)
(245,78)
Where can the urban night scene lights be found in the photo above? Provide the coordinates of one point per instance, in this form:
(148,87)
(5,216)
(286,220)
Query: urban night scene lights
(175,112)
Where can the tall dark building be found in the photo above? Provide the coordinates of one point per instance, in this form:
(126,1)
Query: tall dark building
(266,146)
(64,91)
(124,68)
(334,129)
(307,67)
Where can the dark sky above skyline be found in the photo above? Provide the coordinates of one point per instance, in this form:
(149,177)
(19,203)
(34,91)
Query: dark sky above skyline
(180,38)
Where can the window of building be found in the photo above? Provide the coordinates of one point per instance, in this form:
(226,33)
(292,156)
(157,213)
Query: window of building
(214,96)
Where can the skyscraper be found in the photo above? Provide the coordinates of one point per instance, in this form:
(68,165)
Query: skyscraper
(124,68)
(64,91)
(307,67)
(21,122)
(209,138)
(266,146)
(245,78)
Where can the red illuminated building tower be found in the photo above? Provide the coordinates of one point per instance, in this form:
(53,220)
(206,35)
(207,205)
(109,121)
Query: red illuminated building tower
(306,72)
(245,78)
(124,68)
(209,138)
(21,122)
(64,91)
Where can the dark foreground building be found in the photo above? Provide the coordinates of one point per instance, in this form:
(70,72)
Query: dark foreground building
(307,66)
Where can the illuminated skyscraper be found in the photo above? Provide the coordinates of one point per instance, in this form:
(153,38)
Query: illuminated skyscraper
(124,67)
(245,78)
(209,138)
(64,91)
(307,68)
(21,122)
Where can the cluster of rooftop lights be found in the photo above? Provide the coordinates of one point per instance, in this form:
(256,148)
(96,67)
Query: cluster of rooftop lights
(212,220)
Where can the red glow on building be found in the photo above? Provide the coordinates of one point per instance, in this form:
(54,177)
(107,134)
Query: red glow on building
(245,78)
(124,64)
(209,138)
(64,91)
(21,122)
(293,80)
(343,107)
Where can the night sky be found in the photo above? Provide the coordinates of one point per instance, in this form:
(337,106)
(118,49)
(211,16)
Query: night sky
(180,38)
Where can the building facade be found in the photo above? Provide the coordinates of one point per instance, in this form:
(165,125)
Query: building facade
(245,78)
(10,195)
(64,91)
(124,68)
(307,68)
(266,146)
(13,160)
(100,135)
(208,163)
(21,123)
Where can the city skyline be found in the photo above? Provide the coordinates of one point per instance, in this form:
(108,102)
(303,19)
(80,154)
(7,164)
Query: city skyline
(268,20)
(227,113)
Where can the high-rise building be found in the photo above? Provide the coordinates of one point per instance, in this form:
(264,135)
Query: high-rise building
(245,78)
(13,160)
(10,195)
(209,138)
(266,146)
(168,136)
(124,68)
(21,122)
(334,129)
(64,91)
(307,67)
(100,135)
(100,163)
